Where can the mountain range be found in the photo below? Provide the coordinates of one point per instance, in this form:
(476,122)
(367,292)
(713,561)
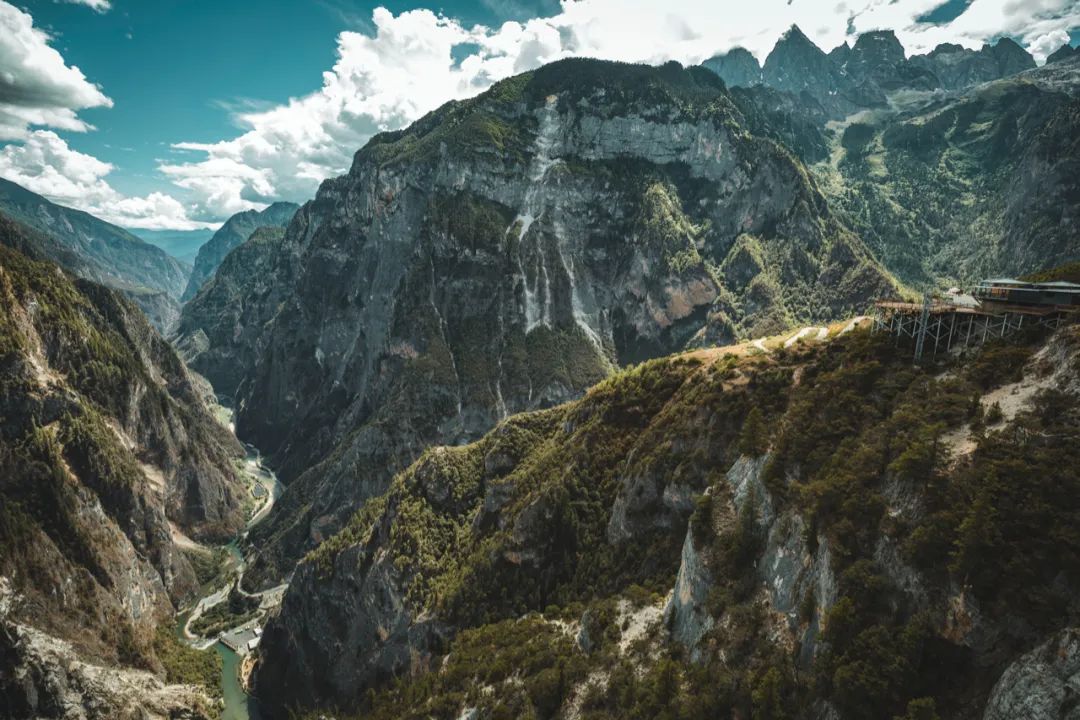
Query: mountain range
(862,76)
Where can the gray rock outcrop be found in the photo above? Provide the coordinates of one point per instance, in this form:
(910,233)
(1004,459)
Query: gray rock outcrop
(1043,684)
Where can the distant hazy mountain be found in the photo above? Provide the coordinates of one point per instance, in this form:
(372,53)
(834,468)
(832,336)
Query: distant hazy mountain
(181,244)
(108,254)
(96,250)
(236,230)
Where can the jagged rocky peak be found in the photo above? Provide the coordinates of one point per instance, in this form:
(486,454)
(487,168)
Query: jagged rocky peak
(876,48)
(850,79)
(840,54)
(798,66)
(793,58)
(878,59)
(1011,58)
(505,252)
(957,67)
(232,233)
(737,67)
(1063,53)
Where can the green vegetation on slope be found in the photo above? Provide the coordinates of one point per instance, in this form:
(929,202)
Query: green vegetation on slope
(857,432)
(186,665)
(980,185)
(1070,272)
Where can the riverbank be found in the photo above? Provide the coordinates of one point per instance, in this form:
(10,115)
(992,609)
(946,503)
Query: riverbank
(234,641)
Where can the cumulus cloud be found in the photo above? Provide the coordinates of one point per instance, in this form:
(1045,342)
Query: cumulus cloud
(378,82)
(1045,44)
(100,6)
(45,164)
(415,61)
(37,87)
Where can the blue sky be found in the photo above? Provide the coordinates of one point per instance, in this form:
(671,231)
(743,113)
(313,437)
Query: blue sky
(177,113)
(194,62)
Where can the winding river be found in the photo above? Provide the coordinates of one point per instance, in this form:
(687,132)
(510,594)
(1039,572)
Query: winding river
(238,704)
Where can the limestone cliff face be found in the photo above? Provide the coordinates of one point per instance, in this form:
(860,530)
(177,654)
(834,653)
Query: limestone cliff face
(104,443)
(45,677)
(787,569)
(1040,684)
(232,234)
(504,253)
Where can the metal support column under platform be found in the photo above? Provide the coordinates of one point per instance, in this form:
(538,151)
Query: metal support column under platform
(946,325)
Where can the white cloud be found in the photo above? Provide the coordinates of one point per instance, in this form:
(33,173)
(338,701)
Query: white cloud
(378,82)
(1047,43)
(100,6)
(1031,21)
(37,87)
(43,163)
(407,67)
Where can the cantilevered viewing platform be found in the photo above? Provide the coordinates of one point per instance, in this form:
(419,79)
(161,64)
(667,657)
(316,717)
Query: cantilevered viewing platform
(996,308)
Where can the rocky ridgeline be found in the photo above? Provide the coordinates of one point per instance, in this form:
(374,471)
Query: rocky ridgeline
(96,250)
(862,76)
(504,253)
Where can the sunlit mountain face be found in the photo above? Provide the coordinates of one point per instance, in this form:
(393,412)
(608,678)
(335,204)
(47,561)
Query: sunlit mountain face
(539,359)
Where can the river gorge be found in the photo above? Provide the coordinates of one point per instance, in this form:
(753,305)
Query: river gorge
(230,636)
